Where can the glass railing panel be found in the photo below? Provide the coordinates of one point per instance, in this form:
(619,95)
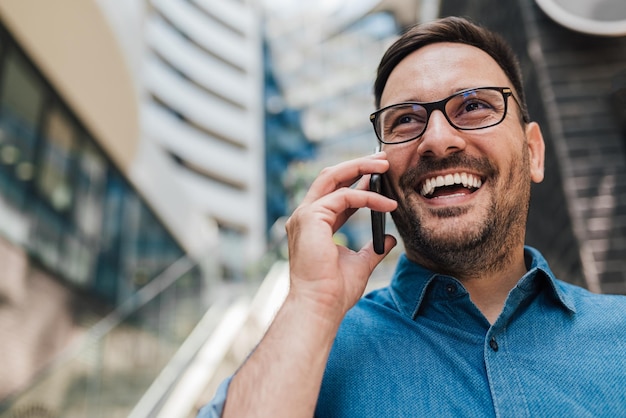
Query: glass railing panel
(113,362)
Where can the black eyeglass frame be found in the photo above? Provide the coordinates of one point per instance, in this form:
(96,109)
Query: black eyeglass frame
(441,106)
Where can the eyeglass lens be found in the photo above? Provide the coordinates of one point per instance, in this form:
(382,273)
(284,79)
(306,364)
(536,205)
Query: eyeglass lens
(470,109)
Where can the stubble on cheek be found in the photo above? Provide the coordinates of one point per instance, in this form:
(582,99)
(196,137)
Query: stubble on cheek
(449,240)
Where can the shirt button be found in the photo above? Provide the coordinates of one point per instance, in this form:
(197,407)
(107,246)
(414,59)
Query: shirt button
(450,288)
(493,344)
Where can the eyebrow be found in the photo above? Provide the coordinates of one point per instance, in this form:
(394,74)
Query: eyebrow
(451,92)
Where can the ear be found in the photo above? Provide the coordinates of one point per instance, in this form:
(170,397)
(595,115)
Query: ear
(536,150)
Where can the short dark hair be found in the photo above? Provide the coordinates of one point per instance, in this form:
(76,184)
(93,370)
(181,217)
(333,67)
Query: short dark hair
(457,30)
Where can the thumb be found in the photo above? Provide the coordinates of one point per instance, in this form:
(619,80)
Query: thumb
(375,259)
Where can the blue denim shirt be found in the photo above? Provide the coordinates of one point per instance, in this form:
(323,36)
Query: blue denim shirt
(420,347)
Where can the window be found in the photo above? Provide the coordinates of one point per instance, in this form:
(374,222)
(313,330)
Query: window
(54,179)
(90,186)
(21,102)
(82,219)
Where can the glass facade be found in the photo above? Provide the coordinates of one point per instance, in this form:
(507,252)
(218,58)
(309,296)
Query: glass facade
(285,144)
(84,221)
(324,73)
(94,300)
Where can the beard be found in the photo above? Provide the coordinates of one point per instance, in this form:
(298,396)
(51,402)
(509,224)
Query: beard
(462,249)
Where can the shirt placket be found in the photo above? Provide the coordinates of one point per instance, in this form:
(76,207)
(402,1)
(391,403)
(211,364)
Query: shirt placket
(507,391)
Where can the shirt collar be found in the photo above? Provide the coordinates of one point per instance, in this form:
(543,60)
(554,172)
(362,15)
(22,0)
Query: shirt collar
(411,281)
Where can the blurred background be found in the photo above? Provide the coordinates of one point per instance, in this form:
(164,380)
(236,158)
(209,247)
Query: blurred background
(151,150)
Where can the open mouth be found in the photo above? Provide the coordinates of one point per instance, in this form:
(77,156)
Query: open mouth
(456,184)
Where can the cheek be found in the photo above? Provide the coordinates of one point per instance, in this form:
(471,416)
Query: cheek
(400,157)
(393,175)
(515,175)
(390,185)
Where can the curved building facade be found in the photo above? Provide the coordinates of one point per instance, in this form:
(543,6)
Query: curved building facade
(202,106)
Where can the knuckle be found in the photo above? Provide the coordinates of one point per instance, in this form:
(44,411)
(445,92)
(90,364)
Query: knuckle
(327,171)
(296,217)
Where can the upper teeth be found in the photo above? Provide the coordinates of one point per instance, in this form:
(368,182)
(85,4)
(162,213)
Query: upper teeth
(467,180)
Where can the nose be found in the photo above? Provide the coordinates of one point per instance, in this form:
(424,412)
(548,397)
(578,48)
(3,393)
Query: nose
(440,139)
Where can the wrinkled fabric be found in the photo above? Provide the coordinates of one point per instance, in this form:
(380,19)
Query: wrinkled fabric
(420,347)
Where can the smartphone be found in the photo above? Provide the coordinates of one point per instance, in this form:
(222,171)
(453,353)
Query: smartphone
(378,218)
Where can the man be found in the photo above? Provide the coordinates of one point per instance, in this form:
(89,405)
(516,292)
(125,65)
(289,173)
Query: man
(473,323)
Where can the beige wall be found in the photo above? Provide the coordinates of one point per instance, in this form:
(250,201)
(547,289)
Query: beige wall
(71,43)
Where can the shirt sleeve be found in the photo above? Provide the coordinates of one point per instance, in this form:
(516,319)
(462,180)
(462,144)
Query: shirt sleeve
(215,407)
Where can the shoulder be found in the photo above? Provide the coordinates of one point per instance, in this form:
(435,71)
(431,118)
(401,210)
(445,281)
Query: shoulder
(376,306)
(582,295)
(373,318)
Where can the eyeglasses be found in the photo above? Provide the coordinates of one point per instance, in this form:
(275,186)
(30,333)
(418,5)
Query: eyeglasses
(470,109)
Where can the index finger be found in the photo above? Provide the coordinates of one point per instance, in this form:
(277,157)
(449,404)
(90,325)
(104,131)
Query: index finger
(345,174)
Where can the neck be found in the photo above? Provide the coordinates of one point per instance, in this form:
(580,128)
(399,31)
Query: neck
(488,284)
(489,292)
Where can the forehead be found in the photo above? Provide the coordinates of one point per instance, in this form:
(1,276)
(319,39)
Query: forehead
(439,70)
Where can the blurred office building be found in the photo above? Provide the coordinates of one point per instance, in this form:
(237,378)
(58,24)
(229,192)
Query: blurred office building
(203,75)
(131,189)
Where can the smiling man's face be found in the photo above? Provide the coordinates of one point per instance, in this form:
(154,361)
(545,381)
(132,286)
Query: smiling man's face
(463,195)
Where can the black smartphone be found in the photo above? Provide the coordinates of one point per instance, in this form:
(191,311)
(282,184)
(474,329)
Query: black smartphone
(378,218)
